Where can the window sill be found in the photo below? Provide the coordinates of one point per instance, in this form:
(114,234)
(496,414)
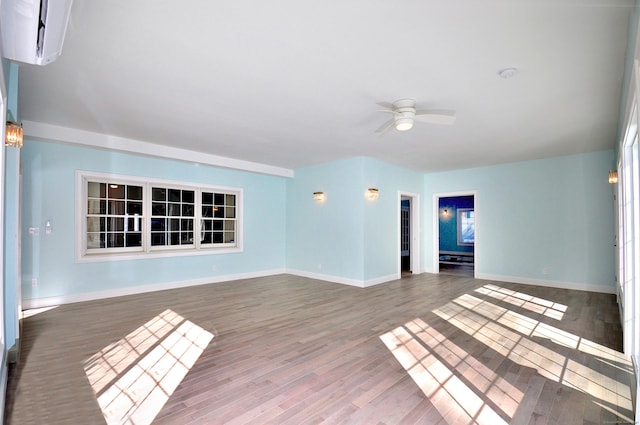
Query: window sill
(125,256)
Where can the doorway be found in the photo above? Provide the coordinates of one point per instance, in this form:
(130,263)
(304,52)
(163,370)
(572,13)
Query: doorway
(455,234)
(408,234)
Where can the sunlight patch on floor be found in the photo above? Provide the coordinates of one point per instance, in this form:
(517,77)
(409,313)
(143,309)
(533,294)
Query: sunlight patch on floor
(134,377)
(509,334)
(529,302)
(446,391)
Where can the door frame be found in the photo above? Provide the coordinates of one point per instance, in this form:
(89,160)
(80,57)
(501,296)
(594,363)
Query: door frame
(436,227)
(414,231)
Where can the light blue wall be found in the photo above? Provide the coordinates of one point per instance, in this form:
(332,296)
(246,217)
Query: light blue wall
(382,227)
(11,234)
(348,236)
(48,194)
(327,238)
(549,220)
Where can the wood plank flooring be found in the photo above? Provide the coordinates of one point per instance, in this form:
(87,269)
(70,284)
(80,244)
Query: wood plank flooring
(426,349)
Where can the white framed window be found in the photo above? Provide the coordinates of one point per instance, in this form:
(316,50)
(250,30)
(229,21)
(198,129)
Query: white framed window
(122,217)
(466,226)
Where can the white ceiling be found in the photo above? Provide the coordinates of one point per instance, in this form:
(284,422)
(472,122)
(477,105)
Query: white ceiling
(293,83)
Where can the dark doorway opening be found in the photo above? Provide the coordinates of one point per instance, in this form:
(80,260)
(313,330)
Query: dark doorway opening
(405,236)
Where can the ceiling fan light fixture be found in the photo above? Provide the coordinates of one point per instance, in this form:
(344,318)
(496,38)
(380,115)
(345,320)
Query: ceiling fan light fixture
(404,124)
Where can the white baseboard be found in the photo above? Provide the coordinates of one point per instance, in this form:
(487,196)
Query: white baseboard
(343,280)
(4,373)
(606,289)
(327,277)
(379,280)
(132,290)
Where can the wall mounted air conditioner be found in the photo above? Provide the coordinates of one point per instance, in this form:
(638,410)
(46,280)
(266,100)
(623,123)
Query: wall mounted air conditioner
(33,30)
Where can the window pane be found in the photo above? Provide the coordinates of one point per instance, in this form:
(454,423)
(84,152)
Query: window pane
(95,240)
(115,224)
(174,195)
(218,212)
(231,200)
(96,206)
(116,191)
(217,237)
(134,192)
(187,210)
(174,209)
(157,239)
(229,225)
(116,208)
(219,198)
(134,208)
(158,194)
(207,211)
(96,190)
(115,240)
(93,224)
(218,224)
(158,209)
(157,224)
(207,198)
(231,212)
(134,239)
(188,196)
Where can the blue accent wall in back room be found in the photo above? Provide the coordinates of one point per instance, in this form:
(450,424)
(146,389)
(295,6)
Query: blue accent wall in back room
(448,223)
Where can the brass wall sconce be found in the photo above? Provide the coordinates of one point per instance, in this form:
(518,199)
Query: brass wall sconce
(373,193)
(613,176)
(319,196)
(13,135)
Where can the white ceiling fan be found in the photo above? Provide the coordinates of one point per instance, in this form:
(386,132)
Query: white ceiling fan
(405,113)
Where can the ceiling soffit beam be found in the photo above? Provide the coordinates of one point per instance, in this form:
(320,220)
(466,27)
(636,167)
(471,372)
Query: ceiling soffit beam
(53,133)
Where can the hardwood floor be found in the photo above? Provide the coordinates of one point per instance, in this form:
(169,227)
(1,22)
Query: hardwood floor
(426,349)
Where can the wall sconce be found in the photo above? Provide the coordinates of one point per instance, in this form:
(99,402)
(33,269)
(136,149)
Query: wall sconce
(373,193)
(319,196)
(13,135)
(613,176)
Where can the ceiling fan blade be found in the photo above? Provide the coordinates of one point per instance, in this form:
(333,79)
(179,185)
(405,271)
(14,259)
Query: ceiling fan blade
(384,128)
(436,116)
(386,105)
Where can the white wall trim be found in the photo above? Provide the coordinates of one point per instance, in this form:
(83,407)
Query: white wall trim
(47,133)
(141,289)
(606,289)
(379,280)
